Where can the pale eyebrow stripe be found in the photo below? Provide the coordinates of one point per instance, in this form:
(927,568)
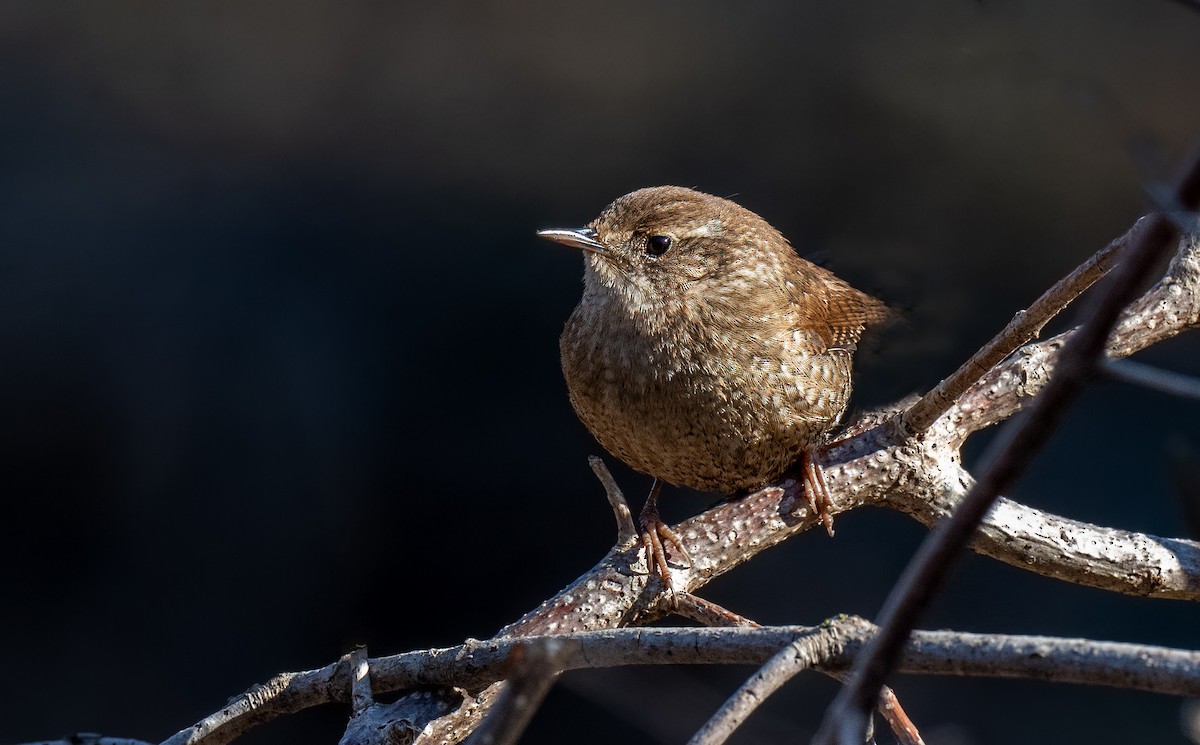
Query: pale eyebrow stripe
(712,227)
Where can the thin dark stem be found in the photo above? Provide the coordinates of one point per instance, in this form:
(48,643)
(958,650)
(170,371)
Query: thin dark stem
(846,719)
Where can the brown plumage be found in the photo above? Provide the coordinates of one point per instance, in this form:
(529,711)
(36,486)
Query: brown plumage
(705,352)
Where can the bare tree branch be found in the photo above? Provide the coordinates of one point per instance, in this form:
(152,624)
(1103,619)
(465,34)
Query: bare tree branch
(879,466)
(830,647)
(921,476)
(846,718)
(286,693)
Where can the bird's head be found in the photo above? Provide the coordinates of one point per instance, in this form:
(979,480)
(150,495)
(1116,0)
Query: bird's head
(668,245)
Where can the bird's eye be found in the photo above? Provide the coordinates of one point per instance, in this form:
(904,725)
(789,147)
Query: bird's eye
(657,245)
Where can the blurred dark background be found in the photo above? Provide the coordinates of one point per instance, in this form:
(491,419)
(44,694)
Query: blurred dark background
(278,347)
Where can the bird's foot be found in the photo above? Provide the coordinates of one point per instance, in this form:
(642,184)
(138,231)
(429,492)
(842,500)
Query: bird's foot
(816,490)
(655,533)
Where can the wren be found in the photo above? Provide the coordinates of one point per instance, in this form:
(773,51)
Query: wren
(705,352)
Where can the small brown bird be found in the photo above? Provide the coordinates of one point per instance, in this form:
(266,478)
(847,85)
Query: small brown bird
(705,352)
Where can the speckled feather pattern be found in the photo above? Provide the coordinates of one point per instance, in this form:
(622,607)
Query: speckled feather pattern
(716,364)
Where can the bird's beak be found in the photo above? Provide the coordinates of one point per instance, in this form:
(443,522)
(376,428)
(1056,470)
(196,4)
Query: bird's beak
(583,238)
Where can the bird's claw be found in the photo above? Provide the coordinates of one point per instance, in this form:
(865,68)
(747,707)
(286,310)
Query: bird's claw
(655,533)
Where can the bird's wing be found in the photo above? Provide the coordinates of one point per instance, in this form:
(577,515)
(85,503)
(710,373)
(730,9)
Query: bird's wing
(836,312)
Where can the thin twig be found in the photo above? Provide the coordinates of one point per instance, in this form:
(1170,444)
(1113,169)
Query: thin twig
(708,613)
(1156,379)
(1136,666)
(626,531)
(771,676)
(1025,325)
(846,718)
(897,718)
(796,657)
(1168,309)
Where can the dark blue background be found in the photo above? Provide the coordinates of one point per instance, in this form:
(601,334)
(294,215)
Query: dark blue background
(278,347)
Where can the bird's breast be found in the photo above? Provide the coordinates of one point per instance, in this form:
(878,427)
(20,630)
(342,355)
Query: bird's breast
(702,403)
